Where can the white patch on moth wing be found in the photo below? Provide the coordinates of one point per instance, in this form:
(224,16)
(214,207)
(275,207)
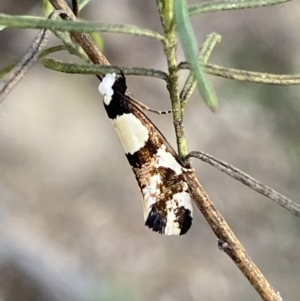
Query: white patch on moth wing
(167,160)
(107,99)
(183,199)
(151,193)
(180,199)
(172,226)
(105,87)
(132,133)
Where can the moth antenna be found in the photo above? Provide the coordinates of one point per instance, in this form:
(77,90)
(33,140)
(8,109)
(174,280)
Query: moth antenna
(160,112)
(144,108)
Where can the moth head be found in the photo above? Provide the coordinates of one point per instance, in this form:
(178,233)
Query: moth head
(105,87)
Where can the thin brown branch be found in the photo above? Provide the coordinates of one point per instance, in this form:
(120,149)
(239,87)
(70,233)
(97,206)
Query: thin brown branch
(26,62)
(237,253)
(75,4)
(247,180)
(82,39)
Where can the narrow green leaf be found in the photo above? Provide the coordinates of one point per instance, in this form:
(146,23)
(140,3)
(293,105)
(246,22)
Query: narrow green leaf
(206,7)
(83,3)
(190,48)
(97,39)
(47,8)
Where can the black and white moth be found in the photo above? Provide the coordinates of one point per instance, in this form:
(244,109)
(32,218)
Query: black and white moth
(157,168)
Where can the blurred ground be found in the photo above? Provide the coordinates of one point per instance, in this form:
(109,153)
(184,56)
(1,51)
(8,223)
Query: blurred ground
(71,223)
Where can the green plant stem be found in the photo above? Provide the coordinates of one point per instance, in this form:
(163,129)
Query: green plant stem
(79,26)
(72,68)
(72,48)
(206,7)
(190,48)
(23,66)
(191,82)
(242,75)
(249,76)
(45,52)
(166,13)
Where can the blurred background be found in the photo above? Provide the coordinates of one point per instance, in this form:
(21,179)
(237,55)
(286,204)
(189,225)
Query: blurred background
(71,222)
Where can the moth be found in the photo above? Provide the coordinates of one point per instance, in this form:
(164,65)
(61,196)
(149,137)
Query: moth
(158,170)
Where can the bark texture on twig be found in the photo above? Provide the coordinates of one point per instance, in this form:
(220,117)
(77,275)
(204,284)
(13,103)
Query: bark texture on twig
(234,248)
(24,65)
(83,39)
(247,180)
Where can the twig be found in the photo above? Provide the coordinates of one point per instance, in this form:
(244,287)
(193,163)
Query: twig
(190,48)
(237,253)
(79,26)
(249,76)
(82,39)
(72,68)
(29,58)
(204,54)
(166,13)
(71,47)
(75,4)
(249,181)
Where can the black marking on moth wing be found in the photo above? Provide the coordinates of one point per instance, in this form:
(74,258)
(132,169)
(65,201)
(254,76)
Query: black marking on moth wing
(184,217)
(123,104)
(118,105)
(172,184)
(144,155)
(157,223)
(157,218)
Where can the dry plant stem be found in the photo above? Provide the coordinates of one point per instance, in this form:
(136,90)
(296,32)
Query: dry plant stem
(249,76)
(82,39)
(75,4)
(249,181)
(75,49)
(237,253)
(24,65)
